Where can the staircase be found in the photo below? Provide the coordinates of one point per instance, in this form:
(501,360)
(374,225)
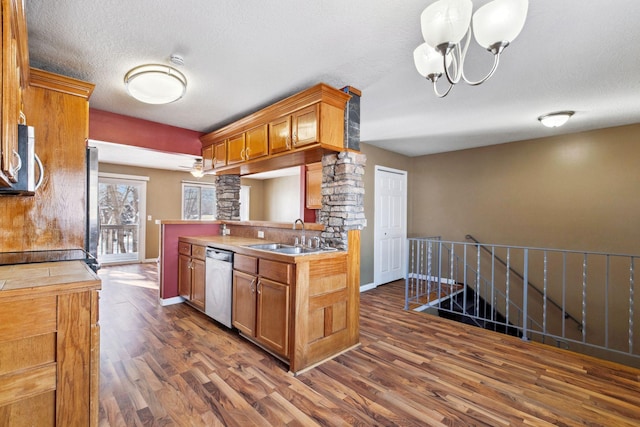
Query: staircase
(467,307)
(582,301)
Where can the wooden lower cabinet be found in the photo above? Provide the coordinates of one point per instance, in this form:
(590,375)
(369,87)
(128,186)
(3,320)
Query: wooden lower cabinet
(50,354)
(261,306)
(244,302)
(272,320)
(191,274)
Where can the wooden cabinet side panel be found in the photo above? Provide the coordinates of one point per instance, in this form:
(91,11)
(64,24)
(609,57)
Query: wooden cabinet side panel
(94,403)
(54,218)
(74,359)
(331,127)
(207,157)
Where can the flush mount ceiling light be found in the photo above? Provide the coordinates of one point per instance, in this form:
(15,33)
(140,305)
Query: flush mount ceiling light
(557,119)
(155,83)
(445,23)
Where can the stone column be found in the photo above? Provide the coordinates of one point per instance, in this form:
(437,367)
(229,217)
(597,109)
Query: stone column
(228,197)
(342,197)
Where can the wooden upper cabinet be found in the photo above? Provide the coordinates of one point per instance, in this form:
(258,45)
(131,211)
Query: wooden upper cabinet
(280,135)
(220,154)
(235,149)
(207,158)
(304,126)
(256,143)
(314,186)
(14,80)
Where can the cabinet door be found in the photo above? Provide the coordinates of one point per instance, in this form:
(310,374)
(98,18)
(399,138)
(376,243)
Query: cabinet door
(235,149)
(207,158)
(272,327)
(220,154)
(280,135)
(304,126)
(10,98)
(197,283)
(256,143)
(184,276)
(314,186)
(244,302)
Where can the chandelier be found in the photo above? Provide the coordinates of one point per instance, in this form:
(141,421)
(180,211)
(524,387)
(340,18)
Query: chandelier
(446,22)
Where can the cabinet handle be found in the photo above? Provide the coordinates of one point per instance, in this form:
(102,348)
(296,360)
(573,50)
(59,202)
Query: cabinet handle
(295,138)
(253,289)
(213,162)
(246,152)
(15,169)
(259,288)
(288,142)
(242,154)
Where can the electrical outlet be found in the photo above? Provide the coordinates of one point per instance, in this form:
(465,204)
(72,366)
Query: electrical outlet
(227,231)
(260,234)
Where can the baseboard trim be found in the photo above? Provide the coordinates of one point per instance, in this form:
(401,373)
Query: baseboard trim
(367,287)
(171,301)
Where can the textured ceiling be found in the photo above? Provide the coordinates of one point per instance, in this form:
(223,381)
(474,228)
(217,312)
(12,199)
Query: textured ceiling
(243,55)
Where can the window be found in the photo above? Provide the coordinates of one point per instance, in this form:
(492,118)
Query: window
(198,201)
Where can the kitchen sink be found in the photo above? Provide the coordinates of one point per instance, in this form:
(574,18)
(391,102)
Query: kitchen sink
(289,249)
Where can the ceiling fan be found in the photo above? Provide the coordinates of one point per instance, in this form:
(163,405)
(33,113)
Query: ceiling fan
(197,169)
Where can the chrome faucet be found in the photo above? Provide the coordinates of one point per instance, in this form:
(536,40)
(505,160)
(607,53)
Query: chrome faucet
(302,238)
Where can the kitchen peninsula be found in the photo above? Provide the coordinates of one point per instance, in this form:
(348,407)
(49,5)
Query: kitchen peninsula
(302,308)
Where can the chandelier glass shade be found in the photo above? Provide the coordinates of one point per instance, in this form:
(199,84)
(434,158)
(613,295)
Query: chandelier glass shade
(446,22)
(155,84)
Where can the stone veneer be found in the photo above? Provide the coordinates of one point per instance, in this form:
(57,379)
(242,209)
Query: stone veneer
(342,197)
(228,197)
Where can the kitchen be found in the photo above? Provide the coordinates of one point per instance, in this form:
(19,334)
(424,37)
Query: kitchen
(25,229)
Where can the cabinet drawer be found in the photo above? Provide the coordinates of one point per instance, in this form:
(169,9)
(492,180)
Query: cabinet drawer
(245,263)
(198,251)
(275,270)
(184,248)
(28,317)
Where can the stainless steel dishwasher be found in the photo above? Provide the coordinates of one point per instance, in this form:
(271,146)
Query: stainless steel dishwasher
(218,292)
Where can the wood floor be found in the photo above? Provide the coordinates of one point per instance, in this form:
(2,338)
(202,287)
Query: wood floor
(173,366)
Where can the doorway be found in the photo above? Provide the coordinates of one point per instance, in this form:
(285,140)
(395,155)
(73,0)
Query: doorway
(122,210)
(390,229)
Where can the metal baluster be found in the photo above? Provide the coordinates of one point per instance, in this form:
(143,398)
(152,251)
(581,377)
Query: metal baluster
(478,282)
(493,282)
(606,303)
(631,290)
(429,268)
(439,272)
(464,279)
(407,279)
(507,301)
(525,296)
(584,299)
(564,292)
(544,300)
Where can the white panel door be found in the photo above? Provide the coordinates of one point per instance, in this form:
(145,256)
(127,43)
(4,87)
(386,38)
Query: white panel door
(390,225)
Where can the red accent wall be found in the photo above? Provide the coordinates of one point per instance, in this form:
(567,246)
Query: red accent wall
(169,253)
(119,129)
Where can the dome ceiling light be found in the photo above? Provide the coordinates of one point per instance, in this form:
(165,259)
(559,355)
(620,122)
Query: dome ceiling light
(156,83)
(557,119)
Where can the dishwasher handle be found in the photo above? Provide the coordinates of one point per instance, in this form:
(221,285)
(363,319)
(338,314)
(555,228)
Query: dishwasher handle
(219,254)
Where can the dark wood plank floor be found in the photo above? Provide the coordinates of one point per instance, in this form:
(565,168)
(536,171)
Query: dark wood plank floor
(173,366)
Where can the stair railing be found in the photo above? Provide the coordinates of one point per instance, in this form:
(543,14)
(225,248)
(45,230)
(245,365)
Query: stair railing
(600,284)
(566,314)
